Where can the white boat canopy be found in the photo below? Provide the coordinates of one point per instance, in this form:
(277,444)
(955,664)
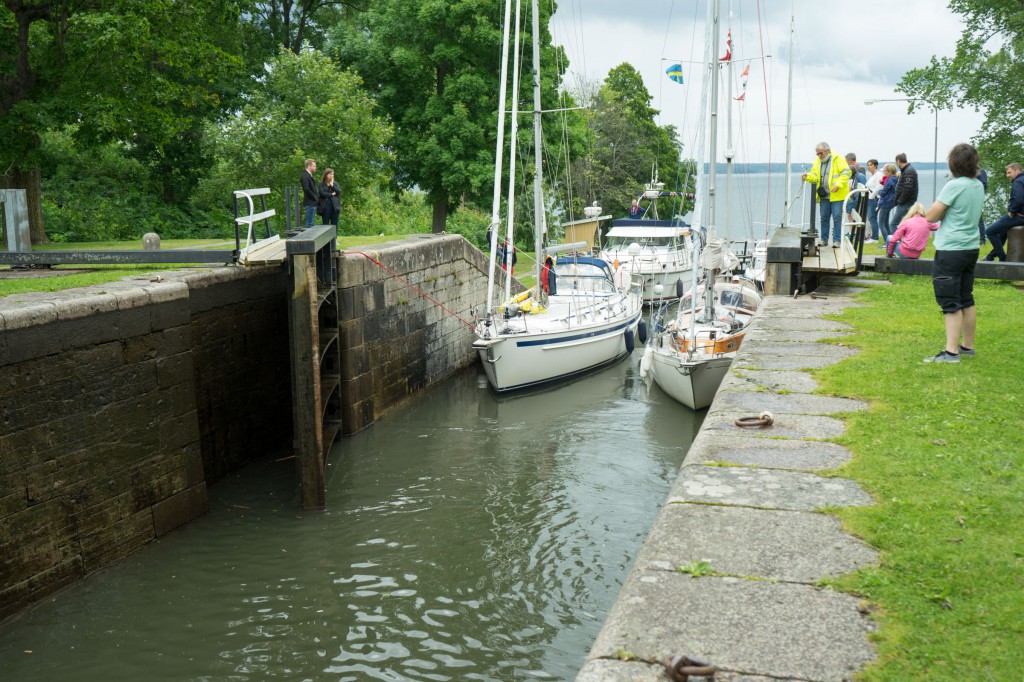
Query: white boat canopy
(648,231)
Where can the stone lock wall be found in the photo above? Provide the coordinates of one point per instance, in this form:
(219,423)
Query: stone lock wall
(395,341)
(119,403)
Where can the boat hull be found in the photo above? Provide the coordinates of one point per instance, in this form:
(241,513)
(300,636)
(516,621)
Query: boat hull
(522,361)
(694,383)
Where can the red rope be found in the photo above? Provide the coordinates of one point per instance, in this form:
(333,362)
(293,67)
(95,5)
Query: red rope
(414,288)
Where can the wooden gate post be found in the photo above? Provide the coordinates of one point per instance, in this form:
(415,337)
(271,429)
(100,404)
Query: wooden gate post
(315,355)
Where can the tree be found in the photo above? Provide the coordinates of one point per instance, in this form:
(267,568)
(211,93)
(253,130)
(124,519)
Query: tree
(989,58)
(627,144)
(434,66)
(305,107)
(110,69)
(292,23)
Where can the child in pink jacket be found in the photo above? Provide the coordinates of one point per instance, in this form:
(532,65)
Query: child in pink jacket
(911,237)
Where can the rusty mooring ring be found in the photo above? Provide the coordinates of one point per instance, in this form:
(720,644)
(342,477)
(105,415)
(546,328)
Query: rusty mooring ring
(680,668)
(763,419)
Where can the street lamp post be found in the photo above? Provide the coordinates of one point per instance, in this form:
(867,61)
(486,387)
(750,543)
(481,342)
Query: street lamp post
(935,162)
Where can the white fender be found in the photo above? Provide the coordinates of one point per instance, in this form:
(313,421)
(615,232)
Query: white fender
(645,365)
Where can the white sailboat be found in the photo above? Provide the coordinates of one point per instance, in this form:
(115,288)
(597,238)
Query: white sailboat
(689,356)
(586,318)
(659,251)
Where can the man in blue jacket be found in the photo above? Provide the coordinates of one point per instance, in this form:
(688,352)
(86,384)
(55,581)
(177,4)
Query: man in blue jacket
(998,230)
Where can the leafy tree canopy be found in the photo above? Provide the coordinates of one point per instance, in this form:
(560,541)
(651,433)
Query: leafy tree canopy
(627,143)
(306,106)
(983,73)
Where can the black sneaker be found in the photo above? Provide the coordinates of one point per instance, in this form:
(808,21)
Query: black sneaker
(968,352)
(943,357)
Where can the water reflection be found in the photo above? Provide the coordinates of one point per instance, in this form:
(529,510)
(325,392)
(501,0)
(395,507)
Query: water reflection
(468,537)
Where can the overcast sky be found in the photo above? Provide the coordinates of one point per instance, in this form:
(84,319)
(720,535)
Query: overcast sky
(882,41)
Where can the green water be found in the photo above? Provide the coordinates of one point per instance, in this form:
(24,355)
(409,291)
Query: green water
(466,537)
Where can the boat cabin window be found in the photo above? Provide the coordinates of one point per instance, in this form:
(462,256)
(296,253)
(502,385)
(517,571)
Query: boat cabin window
(582,277)
(736,299)
(612,242)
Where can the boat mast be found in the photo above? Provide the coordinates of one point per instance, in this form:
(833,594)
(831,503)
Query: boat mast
(712,67)
(713,119)
(498,156)
(730,152)
(709,277)
(789,117)
(510,230)
(540,227)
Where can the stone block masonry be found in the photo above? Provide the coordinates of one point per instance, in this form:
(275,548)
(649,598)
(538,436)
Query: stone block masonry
(394,340)
(119,403)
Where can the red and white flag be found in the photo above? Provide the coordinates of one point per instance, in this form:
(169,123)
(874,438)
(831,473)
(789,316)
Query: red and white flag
(728,48)
(743,84)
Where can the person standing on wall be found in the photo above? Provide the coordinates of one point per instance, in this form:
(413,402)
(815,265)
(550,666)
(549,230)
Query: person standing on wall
(885,202)
(857,181)
(832,175)
(906,191)
(310,194)
(956,252)
(874,186)
(998,231)
(330,198)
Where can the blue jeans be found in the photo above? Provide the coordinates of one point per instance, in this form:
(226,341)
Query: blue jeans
(873,217)
(883,224)
(310,214)
(898,213)
(997,232)
(899,254)
(831,210)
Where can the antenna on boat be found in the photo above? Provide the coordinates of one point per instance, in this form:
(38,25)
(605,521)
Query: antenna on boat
(789,115)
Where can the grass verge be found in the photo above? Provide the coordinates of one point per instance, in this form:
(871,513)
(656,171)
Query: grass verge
(941,451)
(101,274)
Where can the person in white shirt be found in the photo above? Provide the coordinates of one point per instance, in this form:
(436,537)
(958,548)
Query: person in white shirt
(874,186)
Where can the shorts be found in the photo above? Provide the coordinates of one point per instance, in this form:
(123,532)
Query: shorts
(953,279)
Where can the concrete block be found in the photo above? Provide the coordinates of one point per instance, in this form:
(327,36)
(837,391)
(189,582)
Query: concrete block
(755,543)
(765,488)
(774,630)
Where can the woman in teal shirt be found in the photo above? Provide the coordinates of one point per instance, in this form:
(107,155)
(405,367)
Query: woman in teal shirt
(958,210)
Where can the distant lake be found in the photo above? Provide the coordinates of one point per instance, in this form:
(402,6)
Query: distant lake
(752,206)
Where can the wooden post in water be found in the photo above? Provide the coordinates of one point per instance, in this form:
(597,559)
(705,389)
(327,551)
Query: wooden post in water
(315,355)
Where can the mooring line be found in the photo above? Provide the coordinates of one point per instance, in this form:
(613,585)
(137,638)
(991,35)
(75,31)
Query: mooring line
(413,287)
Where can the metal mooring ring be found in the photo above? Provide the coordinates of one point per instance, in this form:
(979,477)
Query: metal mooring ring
(680,668)
(763,419)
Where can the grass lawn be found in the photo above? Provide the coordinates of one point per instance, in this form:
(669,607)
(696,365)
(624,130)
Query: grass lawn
(941,451)
(100,274)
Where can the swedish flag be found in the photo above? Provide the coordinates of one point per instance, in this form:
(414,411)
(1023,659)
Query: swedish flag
(675,73)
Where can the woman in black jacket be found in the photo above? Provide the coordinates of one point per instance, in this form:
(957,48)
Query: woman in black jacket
(330,198)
